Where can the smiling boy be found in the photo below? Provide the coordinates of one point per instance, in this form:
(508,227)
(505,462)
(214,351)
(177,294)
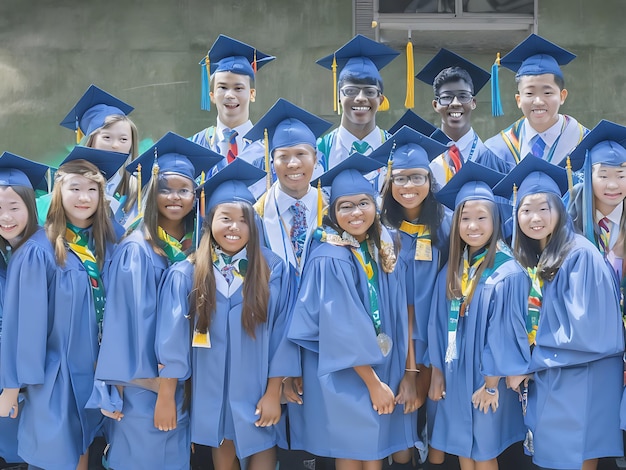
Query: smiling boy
(232,65)
(542,131)
(360,94)
(456,82)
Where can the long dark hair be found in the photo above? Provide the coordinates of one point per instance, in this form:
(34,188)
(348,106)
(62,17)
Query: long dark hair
(392,213)
(457,247)
(255,284)
(528,251)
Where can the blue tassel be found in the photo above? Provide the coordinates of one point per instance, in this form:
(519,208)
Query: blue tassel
(588,223)
(205,98)
(496,103)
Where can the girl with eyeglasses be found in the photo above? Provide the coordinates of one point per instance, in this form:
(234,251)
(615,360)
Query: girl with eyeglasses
(421,225)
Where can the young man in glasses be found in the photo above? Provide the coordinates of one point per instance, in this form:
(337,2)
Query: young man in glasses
(456,81)
(360,95)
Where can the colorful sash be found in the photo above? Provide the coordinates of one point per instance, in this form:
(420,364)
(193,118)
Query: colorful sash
(534,305)
(78,241)
(370,268)
(174,250)
(423,244)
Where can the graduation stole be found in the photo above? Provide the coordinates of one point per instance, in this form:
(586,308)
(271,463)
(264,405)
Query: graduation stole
(511,135)
(458,306)
(225,264)
(77,240)
(370,268)
(423,246)
(174,249)
(534,305)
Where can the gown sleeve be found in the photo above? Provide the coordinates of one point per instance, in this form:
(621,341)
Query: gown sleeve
(507,351)
(127,349)
(26,316)
(330,317)
(580,317)
(173,336)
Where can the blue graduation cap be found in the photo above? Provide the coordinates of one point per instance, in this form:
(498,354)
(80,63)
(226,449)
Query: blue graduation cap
(473,181)
(532,176)
(445,59)
(605,144)
(407,149)
(360,58)
(19,171)
(91,110)
(346,179)
(230,184)
(537,56)
(409,118)
(174,154)
(107,162)
(288,125)
(230,55)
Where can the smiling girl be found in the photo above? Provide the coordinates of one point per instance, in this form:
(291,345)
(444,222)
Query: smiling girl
(234,295)
(51,340)
(350,319)
(476,332)
(574,327)
(164,236)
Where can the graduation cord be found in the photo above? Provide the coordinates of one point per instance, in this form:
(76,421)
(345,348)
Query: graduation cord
(458,306)
(78,242)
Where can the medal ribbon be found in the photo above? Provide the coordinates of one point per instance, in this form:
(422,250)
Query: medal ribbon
(371,271)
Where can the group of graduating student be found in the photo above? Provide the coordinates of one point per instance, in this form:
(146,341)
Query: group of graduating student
(188,296)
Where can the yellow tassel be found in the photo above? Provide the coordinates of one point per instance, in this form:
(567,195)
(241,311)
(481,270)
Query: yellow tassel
(202,197)
(384,106)
(570,180)
(139,208)
(319,203)
(409,102)
(267,160)
(79,135)
(335,98)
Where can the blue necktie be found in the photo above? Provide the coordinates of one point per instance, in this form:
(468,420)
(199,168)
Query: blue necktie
(231,137)
(538,146)
(298,228)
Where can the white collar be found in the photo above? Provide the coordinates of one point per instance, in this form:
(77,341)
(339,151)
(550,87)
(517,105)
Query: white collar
(374,138)
(285,201)
(615,216)
(465,142)
(242,129)
(549,136)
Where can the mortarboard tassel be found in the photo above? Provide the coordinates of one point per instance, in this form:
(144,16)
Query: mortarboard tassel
(570,180)
(254,66)
(200,211)
(205,98)
(409,102)
(267,160)
(335,97)
(496,103)
(139,209)
(588,212)
(319,203)
(79,133)
(514,215)
(384,106)
(202,196)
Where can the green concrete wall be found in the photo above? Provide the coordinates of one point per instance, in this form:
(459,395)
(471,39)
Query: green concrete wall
(146,52)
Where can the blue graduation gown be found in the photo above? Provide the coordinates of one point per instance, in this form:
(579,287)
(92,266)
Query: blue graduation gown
(573,402)
(127,353)
(8,426)
(420,282)
(230,377)
(491,341)
(50,346)
(331,322)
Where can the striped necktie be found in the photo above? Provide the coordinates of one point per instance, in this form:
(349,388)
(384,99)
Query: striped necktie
(605,235)
(231,137)
(538,146)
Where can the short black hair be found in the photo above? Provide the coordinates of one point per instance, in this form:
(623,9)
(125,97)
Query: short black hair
(452,74)
(348,77)
(560,81)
